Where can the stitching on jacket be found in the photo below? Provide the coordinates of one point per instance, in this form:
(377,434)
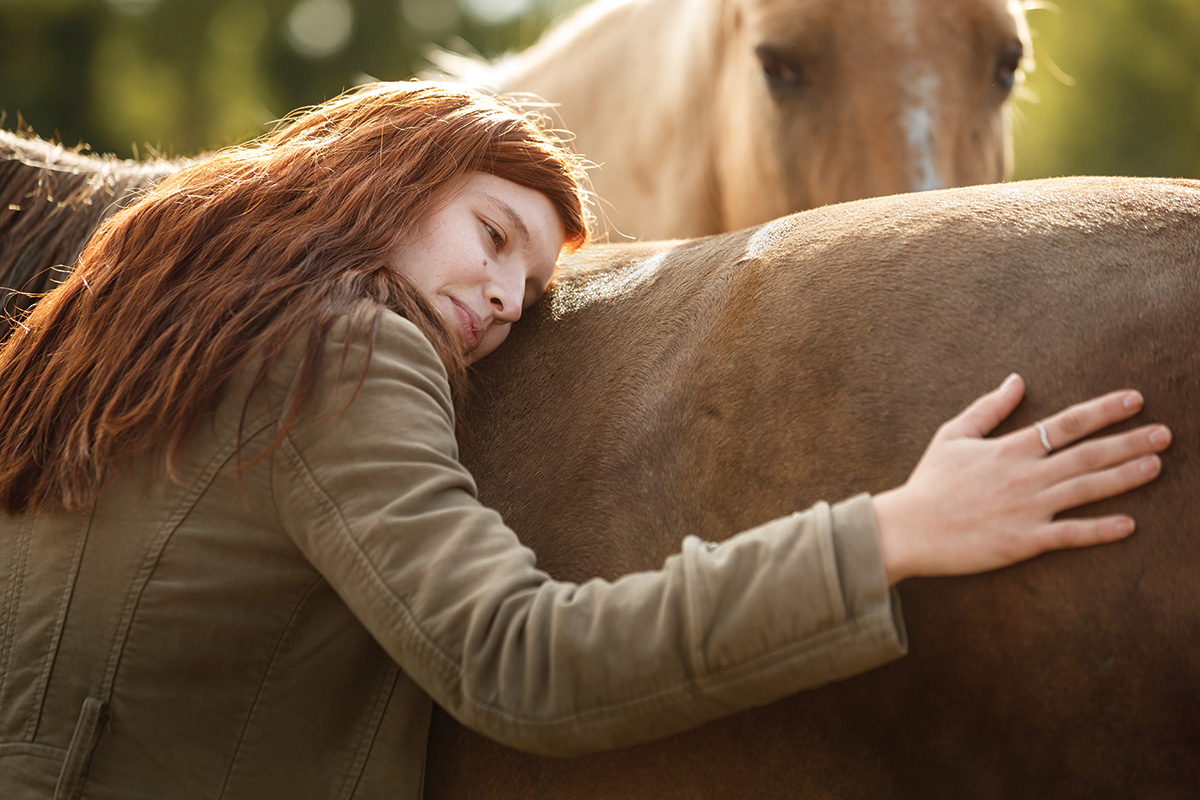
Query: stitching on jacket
(829,556)
(366,741)
(237,750)
(158,543)
(79,753)
(401,613)
(696,610)
(30,749)
(59,625)
(12,602)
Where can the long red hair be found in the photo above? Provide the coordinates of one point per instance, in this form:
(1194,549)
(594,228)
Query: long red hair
(229,258)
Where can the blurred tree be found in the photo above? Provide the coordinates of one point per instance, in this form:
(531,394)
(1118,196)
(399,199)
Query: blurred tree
(182,76)
(1117,89)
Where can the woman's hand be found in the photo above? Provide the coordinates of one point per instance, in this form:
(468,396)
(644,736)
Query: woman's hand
(974,504)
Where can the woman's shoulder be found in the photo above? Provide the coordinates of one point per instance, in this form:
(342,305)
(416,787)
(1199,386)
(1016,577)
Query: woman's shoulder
(370,349)
(383,334)
(360,348)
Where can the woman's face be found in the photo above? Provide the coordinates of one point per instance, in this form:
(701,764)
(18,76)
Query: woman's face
(482,255)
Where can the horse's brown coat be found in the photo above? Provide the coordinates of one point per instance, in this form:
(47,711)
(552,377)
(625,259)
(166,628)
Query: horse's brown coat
(51,199)
(738,378)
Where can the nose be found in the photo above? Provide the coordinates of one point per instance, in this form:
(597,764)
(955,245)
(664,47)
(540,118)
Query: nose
(506,294)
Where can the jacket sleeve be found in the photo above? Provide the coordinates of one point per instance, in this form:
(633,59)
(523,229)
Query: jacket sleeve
(376,499)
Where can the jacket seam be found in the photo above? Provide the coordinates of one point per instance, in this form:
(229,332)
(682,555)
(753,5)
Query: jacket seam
(237,752)
(696,605)
(154,551)
(400,610)
(88,729)
(60,622)
(32,750)
(12,604)
(827,545)
(366,742)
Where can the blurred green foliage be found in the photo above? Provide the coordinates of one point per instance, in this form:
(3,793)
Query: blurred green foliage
(1116,86)
(182,76)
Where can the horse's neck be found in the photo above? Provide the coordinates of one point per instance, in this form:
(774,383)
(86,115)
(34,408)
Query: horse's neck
(629,79)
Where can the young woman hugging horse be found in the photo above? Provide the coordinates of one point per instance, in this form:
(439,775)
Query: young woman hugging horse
(240,555)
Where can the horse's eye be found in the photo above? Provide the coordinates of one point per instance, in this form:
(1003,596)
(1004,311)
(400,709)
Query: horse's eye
(783,72)
(1008,63)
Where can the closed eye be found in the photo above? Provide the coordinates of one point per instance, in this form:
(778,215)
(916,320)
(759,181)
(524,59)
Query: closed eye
(496,236)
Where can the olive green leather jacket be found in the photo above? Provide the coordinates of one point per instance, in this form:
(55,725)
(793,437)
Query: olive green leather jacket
(280,631)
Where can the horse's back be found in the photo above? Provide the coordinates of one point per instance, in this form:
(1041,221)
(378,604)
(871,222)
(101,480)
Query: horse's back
(745,376)
(52,198)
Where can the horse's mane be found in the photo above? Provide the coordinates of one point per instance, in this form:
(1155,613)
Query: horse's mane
(51,200)
(497,74)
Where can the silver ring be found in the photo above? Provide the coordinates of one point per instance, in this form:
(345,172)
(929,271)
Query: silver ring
(1041,429)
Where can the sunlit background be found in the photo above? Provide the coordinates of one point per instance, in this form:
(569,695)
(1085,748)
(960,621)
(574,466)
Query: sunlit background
(1116,89)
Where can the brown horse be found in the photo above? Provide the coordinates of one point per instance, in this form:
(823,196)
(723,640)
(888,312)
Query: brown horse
(706,386)
(51,199)
(712,115)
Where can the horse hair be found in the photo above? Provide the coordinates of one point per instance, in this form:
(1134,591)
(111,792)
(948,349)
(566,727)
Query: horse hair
(51,200)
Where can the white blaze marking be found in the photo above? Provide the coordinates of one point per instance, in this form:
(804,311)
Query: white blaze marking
(920,113)
(918,127)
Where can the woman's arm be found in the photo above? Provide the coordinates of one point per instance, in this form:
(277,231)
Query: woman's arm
(378,502)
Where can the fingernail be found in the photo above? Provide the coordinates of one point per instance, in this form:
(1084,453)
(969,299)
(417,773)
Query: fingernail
(1160,437)
(1133,400)
(1125,526)
(1151,464)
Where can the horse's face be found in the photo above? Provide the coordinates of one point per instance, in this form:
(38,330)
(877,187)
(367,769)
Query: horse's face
(859,99)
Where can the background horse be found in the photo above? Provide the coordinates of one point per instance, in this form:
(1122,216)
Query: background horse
(708,115)
(712,115)
(706,387)
(51,200)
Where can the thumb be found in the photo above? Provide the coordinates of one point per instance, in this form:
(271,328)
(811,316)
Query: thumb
(982,416)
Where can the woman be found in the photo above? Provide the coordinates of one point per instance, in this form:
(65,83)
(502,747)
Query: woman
(241,556)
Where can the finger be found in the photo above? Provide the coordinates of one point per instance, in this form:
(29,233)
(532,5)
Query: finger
(1083,532)
(1099,454)
(982,416)
(1093,486)
(1082,419)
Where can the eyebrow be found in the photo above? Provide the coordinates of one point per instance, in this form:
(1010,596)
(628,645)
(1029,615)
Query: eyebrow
(514,219)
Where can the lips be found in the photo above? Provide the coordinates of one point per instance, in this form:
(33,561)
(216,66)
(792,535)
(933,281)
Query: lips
(469,326)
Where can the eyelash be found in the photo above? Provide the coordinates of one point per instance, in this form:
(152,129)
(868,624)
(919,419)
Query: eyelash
(496,236)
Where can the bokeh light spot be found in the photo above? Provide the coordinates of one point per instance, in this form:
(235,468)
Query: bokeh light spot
(319,28)
(495,12)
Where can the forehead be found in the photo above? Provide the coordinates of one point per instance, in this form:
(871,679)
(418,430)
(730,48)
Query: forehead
(531,205)
(527,216)
(873,20)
